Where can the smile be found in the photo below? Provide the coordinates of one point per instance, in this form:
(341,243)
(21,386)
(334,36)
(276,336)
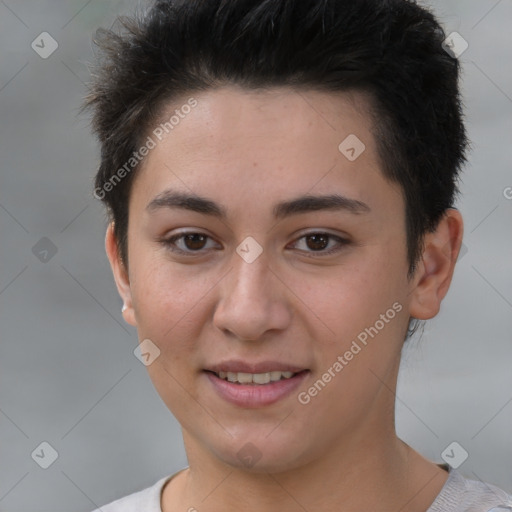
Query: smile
(253,390)
(254,378)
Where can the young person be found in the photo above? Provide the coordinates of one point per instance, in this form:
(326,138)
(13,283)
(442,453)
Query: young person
(280,176)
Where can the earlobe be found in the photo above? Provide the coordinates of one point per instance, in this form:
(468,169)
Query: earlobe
(435,270)
(120,273)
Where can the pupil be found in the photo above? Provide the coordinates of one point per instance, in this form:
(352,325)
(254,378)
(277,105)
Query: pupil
(318,241)
(194,241)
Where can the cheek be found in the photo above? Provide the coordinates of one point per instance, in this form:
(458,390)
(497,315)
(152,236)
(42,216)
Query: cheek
(345,299)
(167,303)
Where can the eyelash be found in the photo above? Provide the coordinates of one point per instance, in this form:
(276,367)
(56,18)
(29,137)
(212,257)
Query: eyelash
(169,243)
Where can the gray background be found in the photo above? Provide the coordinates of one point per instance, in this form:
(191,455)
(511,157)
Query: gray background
(68,375)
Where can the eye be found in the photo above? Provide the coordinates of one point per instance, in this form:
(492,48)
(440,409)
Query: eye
(192,242)
(187,243)
(322,243)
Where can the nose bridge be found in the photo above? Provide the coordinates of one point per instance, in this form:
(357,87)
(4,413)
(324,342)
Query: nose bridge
(250,301)
(250,278)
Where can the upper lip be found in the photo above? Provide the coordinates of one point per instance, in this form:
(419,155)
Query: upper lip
(239,366)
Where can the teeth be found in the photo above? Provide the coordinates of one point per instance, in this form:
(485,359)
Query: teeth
(244,378)
(254,378)
(275,376)
(261,378)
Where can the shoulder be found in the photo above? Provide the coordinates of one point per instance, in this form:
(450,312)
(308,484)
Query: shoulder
(481,496)
(461,494)
(147,500)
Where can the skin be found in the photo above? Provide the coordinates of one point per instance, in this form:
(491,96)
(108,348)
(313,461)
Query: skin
(248,151)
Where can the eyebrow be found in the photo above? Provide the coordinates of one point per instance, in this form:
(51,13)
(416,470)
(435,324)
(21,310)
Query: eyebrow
(302,204)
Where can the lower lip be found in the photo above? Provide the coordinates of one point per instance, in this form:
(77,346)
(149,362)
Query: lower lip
(256,395)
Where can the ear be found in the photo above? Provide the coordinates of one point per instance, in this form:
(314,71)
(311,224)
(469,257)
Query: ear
(121,276)
(434,272)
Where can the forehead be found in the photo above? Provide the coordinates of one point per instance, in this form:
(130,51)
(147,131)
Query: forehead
(264,144)
(231,115)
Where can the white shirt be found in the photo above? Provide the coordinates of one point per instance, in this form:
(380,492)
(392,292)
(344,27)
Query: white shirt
(458,494)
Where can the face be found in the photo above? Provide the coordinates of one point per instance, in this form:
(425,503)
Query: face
(258,245)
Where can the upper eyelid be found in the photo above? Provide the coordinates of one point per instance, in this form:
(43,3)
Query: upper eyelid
(313,231)
(297,236)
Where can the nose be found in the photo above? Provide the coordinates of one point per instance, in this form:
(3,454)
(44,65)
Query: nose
(252,301)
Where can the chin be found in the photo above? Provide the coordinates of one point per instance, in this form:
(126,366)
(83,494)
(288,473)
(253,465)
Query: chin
(258,454)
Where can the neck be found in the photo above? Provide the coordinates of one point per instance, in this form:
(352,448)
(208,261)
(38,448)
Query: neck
(371,470)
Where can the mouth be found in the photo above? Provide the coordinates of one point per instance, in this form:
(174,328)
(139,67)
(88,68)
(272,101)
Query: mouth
(252,386)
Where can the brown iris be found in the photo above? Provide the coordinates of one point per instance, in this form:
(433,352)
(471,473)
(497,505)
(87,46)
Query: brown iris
(194,241)
(317,242)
